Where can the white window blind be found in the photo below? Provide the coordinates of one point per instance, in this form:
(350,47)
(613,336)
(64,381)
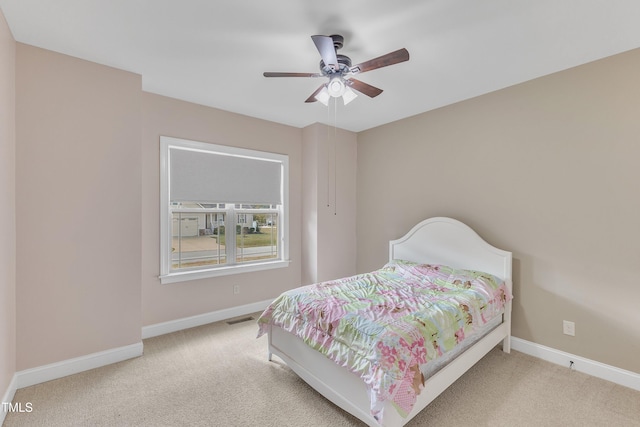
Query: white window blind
(206,176)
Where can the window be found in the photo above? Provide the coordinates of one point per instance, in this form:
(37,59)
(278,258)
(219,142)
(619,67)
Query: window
(223,210)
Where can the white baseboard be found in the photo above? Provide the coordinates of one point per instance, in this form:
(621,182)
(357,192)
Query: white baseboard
(202,319)
(587,366)
(8,397)
(76,365)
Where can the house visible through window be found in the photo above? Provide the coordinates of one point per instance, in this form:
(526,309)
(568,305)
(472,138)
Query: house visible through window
(223,210)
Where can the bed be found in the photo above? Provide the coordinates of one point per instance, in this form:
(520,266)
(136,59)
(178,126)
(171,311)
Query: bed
(437,246)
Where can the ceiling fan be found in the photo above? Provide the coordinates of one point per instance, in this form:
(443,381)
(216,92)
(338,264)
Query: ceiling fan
(339,70)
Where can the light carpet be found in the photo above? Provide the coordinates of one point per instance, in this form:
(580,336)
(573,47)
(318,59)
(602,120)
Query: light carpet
(218,375)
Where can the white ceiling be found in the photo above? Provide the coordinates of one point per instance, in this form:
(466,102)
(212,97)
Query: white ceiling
(213,53)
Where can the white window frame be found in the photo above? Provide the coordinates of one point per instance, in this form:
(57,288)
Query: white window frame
(169,276)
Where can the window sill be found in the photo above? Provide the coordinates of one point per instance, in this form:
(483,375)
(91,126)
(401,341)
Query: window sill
(184,276)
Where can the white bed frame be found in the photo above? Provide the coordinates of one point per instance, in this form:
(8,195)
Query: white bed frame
(436,241)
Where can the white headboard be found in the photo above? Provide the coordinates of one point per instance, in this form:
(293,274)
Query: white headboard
(449,242)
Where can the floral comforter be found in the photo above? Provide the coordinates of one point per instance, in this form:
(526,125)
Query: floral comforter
(383,325)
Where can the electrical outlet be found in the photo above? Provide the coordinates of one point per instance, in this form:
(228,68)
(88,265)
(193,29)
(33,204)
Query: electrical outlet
(569,328)
(236,289)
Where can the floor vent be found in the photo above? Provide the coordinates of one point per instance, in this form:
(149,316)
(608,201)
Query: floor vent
(243,319)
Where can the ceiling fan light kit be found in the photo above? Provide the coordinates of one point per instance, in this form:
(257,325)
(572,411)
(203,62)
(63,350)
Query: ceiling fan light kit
(339,71)
(336,88)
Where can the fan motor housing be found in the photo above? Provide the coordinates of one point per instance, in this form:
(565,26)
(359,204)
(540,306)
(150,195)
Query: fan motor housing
(344,64)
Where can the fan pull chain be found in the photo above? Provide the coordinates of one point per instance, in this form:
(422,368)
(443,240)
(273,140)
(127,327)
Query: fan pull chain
(328,162)
(335,156)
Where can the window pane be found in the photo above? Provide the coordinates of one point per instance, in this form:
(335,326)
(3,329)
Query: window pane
(197,240)
(257,237)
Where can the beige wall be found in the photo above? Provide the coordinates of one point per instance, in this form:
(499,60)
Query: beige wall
(329,203)
(78,210)
(170,117)
(7,208)
(547,169)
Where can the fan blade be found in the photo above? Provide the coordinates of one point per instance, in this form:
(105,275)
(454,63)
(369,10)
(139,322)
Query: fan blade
(324,44)
(312,98)
(277,74)
(363,87)
(399,55)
